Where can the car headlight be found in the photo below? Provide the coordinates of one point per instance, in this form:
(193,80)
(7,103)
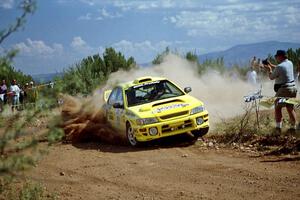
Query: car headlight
(197,109)
(145,121)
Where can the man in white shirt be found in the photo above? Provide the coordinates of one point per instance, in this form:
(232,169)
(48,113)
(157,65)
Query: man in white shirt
(252,76)
(285,87)
(15,92)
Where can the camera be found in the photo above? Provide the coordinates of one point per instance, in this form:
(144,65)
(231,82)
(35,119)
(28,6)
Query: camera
(265,61)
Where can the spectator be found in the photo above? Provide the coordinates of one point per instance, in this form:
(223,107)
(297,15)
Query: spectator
(297,77)
(15,93)
(284,86)
(25,91)
(252,76)
(3,95)
(258,63)
(21,97)
(3,90)
(253,62)
(32,93)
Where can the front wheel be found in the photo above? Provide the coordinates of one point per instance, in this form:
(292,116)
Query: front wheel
(201,132)
(130,136)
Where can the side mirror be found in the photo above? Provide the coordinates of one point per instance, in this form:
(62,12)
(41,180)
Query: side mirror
(118,105)
(187,89)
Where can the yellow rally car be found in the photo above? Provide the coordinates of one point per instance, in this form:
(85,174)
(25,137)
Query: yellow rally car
(149,108)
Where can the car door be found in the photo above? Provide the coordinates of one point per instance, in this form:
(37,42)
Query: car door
(116,114)
(110,114)
(120,121)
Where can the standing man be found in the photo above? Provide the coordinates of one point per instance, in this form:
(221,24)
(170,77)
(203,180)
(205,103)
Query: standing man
(252,76)
(284,86)
(3,94)
(297,77)
(32,94)
(25,92)
(15,90)
(253,62)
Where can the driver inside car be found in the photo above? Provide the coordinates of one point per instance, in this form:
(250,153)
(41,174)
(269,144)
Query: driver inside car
(131,96)
(158,91)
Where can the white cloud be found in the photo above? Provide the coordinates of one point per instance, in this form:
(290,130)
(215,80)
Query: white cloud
(79,44)
(153,4)
(252,20)
(88,16)
(125,46)
(58,48)
(232,1)
(89,2)
(38,48)
(143,51)
(105,14)
(101,15)
(7,4)
(81,47)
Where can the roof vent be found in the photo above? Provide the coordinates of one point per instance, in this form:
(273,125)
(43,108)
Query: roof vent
(142,80)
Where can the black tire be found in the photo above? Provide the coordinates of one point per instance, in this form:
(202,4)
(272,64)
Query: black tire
(201,132)
(130,136)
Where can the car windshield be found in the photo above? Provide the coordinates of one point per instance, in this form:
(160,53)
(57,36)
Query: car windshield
(151,91)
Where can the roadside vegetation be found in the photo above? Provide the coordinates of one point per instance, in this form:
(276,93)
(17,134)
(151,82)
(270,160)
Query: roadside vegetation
(84,77)
(20,147)
(256,132)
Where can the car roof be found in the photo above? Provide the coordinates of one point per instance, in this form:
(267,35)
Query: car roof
(140,81)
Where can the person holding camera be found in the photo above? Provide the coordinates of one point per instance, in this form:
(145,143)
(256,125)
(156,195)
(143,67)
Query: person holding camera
(284,86)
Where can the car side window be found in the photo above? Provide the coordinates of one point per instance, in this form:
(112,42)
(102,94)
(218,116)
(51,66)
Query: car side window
(116,96)
(113,96)
(119,98)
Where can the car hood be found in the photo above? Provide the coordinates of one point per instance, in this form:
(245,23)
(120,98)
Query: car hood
(165,106)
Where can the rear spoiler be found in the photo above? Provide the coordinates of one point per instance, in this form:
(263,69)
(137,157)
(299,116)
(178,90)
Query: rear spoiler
(106,95)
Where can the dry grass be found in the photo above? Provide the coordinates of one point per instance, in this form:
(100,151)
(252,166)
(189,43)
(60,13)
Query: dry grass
(243,129)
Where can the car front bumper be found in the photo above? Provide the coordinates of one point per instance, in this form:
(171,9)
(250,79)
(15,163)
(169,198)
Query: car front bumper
(172,127)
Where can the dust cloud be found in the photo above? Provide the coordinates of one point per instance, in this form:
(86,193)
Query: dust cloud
(83,120)
(222,96)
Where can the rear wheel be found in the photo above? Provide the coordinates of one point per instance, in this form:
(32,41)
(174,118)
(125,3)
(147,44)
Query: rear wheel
(201,132)
(130,136)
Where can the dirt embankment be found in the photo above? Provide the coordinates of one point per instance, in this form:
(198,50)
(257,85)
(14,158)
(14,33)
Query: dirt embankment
(166,171)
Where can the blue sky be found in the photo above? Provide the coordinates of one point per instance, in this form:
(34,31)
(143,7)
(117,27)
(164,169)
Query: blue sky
(61,32)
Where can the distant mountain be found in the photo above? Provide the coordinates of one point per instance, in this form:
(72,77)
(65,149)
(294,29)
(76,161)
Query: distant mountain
(241,54)
(43,78)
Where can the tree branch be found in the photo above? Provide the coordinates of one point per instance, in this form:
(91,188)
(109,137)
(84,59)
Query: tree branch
(28,7)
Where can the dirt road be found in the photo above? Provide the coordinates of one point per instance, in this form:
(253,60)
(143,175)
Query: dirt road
(103,171)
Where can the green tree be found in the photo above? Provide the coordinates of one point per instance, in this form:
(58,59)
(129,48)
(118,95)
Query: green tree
(192,56)
(212,64)
(28,7)
(116,60)
(92,71)
(7,71)
(19,147)
(159,58)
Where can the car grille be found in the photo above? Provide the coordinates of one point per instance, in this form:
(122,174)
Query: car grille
(170,128)
(164,117)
